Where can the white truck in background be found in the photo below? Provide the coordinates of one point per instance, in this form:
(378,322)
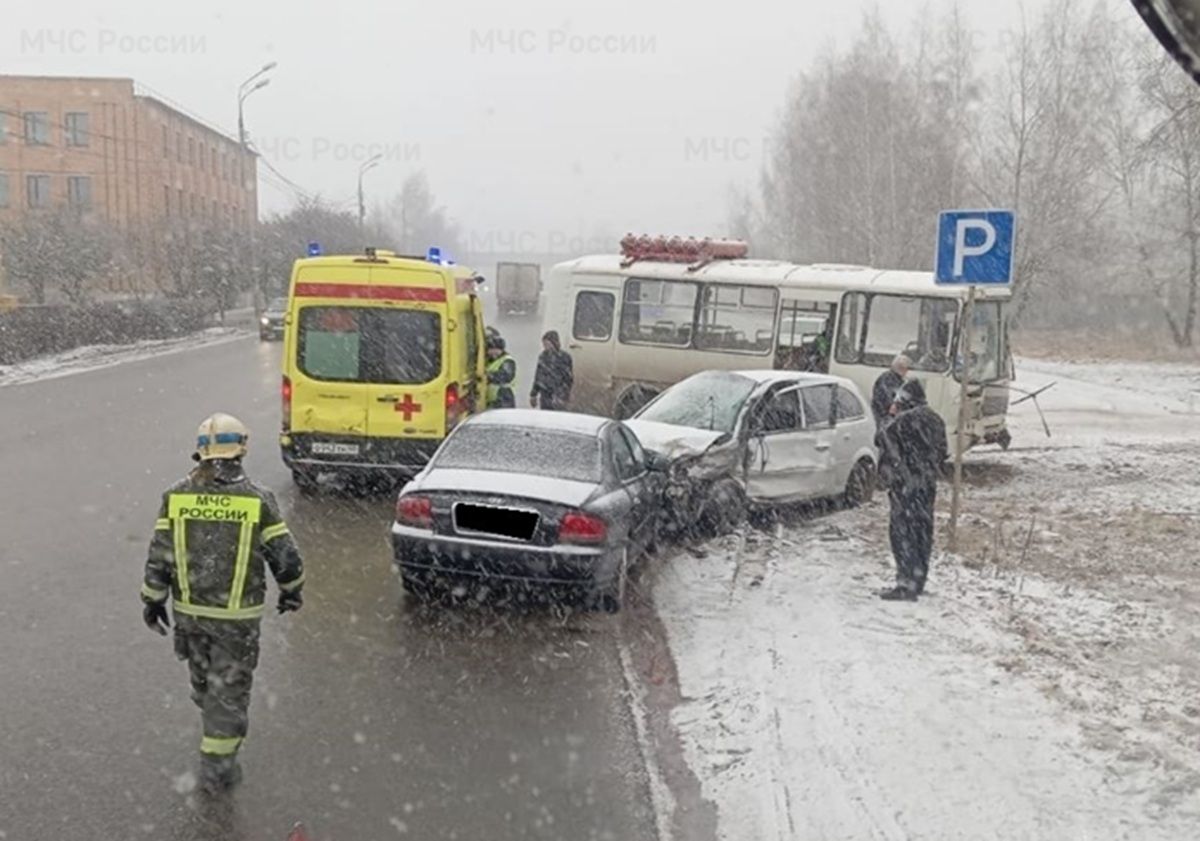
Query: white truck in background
(518,288)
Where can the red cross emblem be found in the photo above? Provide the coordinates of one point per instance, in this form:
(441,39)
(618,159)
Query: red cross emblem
(407,406)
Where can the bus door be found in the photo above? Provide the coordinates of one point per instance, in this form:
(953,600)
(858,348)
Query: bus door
(592,345)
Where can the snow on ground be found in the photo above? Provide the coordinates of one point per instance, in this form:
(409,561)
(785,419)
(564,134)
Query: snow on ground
(91,357)
(1047,687)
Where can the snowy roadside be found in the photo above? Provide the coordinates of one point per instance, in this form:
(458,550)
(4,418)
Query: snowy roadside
(92,357)
(1049,685)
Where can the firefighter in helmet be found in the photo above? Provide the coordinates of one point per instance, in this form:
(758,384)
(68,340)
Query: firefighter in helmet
(216,536)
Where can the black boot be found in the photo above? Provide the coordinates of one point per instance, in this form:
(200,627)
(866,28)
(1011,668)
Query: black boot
(899,594)
(219,774)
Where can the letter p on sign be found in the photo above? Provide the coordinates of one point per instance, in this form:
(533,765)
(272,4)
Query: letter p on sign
(975,247)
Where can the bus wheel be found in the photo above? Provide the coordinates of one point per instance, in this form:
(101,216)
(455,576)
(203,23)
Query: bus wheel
(634,398)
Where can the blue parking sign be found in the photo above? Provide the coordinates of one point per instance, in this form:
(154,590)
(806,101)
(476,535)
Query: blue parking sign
(975,247)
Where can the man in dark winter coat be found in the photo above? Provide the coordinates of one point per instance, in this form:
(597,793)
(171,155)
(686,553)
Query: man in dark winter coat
(913,455)
(884,392)
(555,375)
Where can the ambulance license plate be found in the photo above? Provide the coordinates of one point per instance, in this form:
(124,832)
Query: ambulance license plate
(325,448)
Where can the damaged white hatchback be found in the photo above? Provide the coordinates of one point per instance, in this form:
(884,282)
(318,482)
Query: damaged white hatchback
(743,440)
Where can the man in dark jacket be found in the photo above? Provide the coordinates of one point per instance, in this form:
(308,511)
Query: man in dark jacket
(216,536)
(555,375)
(884,392)
(913,455)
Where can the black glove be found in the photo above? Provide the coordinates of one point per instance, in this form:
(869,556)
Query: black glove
(154,614)
(289,601)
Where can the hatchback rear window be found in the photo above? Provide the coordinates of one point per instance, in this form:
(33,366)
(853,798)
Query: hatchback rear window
(516,449)
(369,345)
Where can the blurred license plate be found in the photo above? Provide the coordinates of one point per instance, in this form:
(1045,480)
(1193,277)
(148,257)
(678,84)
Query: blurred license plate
(322,448)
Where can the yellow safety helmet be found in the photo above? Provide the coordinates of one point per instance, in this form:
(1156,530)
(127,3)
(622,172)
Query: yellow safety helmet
(221,436)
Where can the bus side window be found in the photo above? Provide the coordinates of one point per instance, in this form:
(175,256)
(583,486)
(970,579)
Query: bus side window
(850,328)
(593,316)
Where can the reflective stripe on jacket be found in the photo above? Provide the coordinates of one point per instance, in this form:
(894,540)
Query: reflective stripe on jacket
(501,374)
(213,542)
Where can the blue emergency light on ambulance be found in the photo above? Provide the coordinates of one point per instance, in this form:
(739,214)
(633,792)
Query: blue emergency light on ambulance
(434,255)
(314,249)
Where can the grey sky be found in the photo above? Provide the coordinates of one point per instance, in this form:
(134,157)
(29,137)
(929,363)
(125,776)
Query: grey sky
(537,121)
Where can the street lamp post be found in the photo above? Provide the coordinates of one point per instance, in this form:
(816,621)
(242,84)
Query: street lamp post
(369,163)
(244,90)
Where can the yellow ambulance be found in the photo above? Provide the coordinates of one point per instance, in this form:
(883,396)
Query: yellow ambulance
(382,356)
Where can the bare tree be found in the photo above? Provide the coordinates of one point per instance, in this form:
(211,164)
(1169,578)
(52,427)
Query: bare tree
(1039,152)
(415,220)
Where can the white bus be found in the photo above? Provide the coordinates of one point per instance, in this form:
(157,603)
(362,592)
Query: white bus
(636,324)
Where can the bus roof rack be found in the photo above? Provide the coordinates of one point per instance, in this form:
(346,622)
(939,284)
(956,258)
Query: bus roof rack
(695,252)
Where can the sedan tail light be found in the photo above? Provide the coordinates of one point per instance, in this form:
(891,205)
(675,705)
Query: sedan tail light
(414,511)
(577,527)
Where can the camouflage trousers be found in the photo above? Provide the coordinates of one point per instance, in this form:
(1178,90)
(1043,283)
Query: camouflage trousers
(221,657)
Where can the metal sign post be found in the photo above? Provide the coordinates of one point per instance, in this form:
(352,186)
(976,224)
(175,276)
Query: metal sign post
(974,248)
(960,434)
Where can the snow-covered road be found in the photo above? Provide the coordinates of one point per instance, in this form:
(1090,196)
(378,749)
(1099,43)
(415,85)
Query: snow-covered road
(1048,686)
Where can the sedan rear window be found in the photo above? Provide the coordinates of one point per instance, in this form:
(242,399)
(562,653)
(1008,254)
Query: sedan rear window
(517,449)
(710,400)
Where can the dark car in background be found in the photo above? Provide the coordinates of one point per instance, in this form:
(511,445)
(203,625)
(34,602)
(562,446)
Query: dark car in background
(531,500)
(271,321)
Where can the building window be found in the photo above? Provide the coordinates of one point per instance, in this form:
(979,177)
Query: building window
(37,190)
(75,124)
(37,128)
(3,189)
(214,210)
(166,200)
(214,160)
(179,201)
(179,146)
(193,204)
(79,192)
(166,142)
(3,129)
(192,151)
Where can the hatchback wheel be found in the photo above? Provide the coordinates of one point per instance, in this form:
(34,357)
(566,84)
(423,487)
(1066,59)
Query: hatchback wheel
(860,487)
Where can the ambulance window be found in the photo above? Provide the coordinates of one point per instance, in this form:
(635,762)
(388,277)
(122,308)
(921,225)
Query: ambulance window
(329,342)
(405,347)
(593,316)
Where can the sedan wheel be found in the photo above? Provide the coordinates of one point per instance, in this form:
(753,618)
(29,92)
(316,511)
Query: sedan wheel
(612,598)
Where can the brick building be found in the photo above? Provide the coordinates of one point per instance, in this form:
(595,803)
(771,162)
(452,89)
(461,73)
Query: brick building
(106,148)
